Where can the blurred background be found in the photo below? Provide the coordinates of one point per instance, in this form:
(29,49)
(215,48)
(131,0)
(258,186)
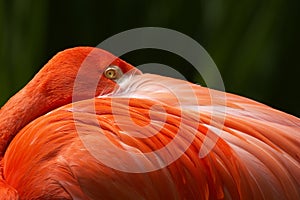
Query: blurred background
(254,43)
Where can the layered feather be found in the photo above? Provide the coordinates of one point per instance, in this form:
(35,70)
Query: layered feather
(155,137)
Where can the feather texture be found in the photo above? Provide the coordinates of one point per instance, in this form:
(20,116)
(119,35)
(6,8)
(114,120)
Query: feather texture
(67,151)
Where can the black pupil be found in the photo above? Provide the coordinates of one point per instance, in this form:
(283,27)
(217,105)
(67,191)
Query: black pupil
(110,73)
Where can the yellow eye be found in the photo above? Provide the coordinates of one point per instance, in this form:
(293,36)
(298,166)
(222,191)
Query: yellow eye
(113,72)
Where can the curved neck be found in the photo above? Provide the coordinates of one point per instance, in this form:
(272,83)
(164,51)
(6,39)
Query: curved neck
(21,109)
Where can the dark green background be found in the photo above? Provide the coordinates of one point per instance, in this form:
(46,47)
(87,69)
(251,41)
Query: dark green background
(254,43)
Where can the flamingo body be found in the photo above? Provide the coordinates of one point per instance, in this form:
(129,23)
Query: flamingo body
(252,149)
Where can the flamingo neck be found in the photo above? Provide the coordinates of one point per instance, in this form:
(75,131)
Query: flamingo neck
(21,109)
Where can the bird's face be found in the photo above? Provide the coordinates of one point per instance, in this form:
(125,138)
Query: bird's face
(80,73)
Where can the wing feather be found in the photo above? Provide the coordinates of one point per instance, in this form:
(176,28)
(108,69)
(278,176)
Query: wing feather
(253,150)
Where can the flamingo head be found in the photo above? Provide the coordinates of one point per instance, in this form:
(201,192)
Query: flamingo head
(79,73)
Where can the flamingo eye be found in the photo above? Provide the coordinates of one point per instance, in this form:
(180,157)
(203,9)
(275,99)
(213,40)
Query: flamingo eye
(113,72)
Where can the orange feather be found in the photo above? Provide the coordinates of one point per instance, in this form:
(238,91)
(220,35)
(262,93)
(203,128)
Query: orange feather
(61,150)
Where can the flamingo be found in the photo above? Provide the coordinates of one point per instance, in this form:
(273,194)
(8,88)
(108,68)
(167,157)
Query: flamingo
(140,136)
